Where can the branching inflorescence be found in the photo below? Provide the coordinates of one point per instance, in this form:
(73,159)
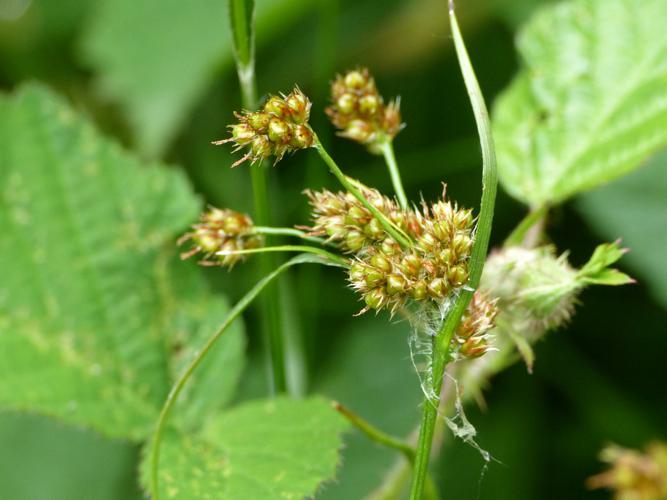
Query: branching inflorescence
(386,273)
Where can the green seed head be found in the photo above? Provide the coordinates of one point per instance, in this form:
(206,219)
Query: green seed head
(346,103)
(276,106)
(259,122)
(395,284)
(279,131)
(375,298)
(299,106)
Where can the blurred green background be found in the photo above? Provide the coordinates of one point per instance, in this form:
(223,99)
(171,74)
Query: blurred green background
(158,76)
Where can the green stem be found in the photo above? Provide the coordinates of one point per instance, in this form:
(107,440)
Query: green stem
(335,259)
(442,341)
(384,439)
(387,148)
(535,218)
(374,433)
(288,231)
(241,15)
(395,232)
(176,389)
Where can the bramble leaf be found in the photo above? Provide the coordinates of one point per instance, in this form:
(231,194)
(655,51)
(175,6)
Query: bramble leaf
(280,448)
(590,103)
(92,299)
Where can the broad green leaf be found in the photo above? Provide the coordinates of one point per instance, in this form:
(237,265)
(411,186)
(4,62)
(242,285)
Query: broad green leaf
(43,460)
(156,58)
(635,209)
(92,299)
(590,103)
(280,448)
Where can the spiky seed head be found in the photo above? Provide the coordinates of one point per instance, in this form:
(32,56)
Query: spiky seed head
(359,112)
(280,127)
(219,232)
(634,474)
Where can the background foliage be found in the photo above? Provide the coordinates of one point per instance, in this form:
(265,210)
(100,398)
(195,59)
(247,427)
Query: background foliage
(157,77)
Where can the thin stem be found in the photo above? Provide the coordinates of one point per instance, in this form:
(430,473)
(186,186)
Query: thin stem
(176,389)
(288,231)
(335,259)
(241,14)
(374,433)
(242,18)
(384,439)
(442,341)
(387,148)
(535,218)
(395,232)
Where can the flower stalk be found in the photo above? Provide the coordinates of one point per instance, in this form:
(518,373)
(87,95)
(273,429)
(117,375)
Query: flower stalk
(395,232)
(185,376)
(386,147)
(443,340)
(241,18)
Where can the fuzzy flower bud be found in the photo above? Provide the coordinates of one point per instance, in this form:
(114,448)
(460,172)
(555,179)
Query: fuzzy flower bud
(537,290)
(358,110)
(221,230)
(280,127)
(633,474)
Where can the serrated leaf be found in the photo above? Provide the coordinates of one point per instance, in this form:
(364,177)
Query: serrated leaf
(157,57)
(590,103)
(609,277)
(90,300)
(603,256)
(597,272)
(634,209)
(280,448)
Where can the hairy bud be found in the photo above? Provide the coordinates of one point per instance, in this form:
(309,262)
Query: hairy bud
(537,290)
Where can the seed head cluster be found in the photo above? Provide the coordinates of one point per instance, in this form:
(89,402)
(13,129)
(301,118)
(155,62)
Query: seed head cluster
(358,110)
(472,335)
(280,127)
(218,233)
(385,274)
(634,474)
